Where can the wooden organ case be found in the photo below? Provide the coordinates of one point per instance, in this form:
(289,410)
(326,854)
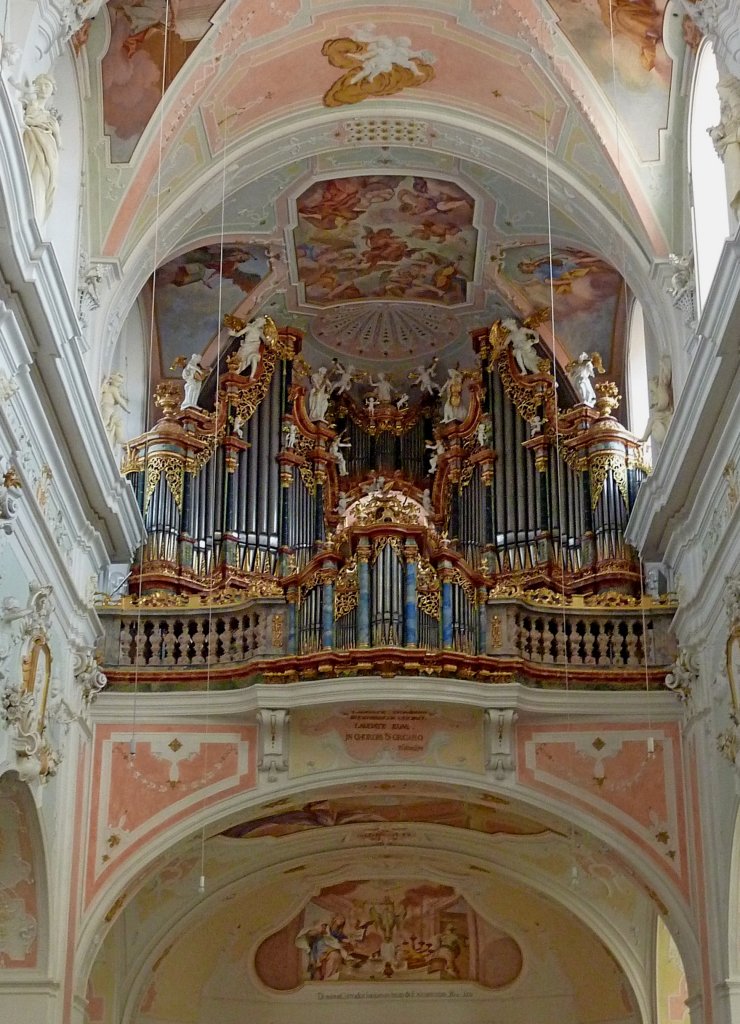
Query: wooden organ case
(386,535)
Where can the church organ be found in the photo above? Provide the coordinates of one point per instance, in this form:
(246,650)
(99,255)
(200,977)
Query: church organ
(357,520)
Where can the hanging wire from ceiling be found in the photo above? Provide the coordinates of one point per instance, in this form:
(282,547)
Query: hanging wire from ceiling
(547,120)
(211,646)
(650,744)
(138,638)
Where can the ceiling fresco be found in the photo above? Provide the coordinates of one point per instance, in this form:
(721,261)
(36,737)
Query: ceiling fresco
(582,289)
(620,41)
(364,809)
(388,930)
(192,289)
(133,68)
(385,237)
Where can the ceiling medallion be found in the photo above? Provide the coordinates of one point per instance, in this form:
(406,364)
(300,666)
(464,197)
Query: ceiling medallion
(398,331)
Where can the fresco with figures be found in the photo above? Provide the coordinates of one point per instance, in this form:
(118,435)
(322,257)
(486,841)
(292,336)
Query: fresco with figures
(388,930)
(134,68)
(385,237)
(193,289)
(583,289)
(486,816)
(621,44)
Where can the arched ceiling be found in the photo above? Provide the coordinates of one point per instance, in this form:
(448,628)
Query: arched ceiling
(396,173)
(520,900)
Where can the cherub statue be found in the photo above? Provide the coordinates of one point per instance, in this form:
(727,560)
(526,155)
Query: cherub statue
(423,377)
(251,338)
(402,402)
(484,432)
(451,391)
(436,448)
(290,433)
(426,502)
(193,373)
(335,449)
(238,425)
(112,401)
(581,372)
(371,401)
(345,377)
(536,425)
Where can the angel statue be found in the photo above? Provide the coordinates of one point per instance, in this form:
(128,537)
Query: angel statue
(423,377)
(319,394)
(523,341)
(661,403)
(251,337)
(581,372)
(383,388)
(345,376)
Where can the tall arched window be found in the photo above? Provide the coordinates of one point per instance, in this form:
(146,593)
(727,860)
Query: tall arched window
(711,224)
(637,379)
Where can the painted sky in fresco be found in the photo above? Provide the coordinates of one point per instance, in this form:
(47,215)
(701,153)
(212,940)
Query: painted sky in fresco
(187,294)
(585,291)
(385,237)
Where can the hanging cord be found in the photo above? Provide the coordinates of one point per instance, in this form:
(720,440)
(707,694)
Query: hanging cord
(559,495)
(216,416)
(138,646)
(623,254)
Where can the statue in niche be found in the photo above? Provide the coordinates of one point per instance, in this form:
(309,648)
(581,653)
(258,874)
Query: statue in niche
(319,394)
(454,410)
(335,449)
(581,372)
(41,143)
(423,377)
(661,403)
(290,433)
(251,337)
(383,389)
(484,432)
(193,374)
(113,401)
(523,341)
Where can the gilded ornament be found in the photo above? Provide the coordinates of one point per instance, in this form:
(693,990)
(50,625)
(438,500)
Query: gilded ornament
(600,464)
(167,396)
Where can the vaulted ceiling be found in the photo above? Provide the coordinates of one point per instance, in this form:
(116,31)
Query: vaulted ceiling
(384,176)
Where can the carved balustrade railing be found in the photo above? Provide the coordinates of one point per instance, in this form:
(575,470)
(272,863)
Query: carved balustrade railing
(542,638)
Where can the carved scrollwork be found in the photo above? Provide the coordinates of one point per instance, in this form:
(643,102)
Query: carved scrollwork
(600,465)
(346,594)
(427,588)
(169,464)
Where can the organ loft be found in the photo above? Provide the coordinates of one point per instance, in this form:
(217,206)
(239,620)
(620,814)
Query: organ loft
(305,521)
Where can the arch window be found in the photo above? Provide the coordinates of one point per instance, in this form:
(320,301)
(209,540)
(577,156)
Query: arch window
(710,216)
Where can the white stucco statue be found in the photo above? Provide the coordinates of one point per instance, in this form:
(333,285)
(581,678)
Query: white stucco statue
(451,391)
(581,372)
(319,394)
(113,402)
(726,136)
(335,449)
(661,403)
(193,374)
(383,389)
(523,341)
(41,143)
(423,377)
(251,338)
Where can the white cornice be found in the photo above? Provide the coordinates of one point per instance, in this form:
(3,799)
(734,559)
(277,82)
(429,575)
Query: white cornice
(616,707)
